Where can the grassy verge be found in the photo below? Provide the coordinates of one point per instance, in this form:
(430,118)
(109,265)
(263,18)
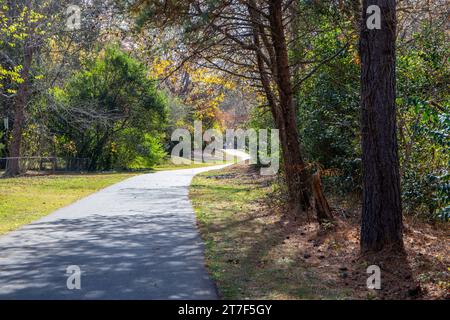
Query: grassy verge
(248,248)
(170,166)
(25,199)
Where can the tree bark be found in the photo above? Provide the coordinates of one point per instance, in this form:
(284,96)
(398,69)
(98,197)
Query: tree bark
(20,103)
(297,177)
(381,225)
(323,210)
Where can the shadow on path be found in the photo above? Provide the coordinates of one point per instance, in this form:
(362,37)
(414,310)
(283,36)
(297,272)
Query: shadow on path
(135,240)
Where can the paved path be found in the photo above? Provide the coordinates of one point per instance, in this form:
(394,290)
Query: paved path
(134,240)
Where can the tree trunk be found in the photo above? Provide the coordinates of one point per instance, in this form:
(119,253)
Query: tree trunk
(20,103)
(323,210)
(297,177)
(381,225)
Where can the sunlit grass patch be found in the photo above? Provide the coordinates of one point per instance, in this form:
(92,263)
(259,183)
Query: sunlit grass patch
(25,199)
(247,253)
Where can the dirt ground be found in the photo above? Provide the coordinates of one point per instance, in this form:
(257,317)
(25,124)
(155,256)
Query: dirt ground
(331,253)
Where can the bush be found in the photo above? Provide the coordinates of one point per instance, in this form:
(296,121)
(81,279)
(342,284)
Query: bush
(135,150)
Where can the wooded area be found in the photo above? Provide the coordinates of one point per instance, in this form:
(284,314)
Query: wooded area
(362,109)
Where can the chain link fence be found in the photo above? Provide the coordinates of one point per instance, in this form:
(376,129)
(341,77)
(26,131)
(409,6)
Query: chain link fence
(46,164)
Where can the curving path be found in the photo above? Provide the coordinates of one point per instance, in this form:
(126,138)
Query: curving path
(134,240)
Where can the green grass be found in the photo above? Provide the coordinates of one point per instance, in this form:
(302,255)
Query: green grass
(247,253)
(170,166)
(25,199)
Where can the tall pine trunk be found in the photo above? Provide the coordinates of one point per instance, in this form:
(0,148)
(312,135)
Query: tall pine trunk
(297,177)
(381,225)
